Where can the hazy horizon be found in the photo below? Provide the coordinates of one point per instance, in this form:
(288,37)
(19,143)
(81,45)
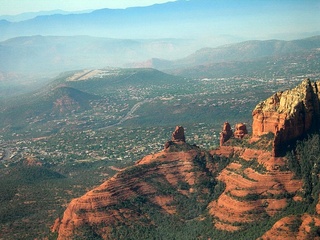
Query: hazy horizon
(216,22)
(133,36)
(16,7)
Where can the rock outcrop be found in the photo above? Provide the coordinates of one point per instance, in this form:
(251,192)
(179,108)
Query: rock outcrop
(240,130)
(251,193)
(178,135)
(289,115)
(226,133)
(294,227)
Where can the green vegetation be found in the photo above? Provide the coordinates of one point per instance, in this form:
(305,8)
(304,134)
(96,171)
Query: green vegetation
(32,197)
(106,98)
(264,143)
(305,162)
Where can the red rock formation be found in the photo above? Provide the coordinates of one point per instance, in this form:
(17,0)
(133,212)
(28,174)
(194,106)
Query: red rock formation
(226,133)
(288,115)
(255,181)
(240,130)
(178,135)
(287,228)
(103,206)
(56,225)
(250,194)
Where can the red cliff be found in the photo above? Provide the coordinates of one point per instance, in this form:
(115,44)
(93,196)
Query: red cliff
(289,115)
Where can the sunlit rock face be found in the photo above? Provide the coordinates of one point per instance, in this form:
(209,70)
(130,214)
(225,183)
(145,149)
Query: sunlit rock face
(240,130)
(226,133)
(288,115)
(177,137)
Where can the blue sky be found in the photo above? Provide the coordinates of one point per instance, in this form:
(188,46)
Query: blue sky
(13,7)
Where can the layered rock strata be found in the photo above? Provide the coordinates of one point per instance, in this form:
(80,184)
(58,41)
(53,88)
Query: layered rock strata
(288,115)
(251,194)
(257,183)
(294,227)
(113,203)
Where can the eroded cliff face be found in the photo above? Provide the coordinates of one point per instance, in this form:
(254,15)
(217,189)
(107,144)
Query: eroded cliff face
(255,188)
(289,115)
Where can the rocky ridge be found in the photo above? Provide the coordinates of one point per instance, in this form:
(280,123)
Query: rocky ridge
(235,186)
(157,181)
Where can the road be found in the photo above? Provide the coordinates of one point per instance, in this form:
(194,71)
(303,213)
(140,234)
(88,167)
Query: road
(130,114)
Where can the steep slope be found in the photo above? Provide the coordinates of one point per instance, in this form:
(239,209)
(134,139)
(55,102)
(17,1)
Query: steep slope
(294,227)
(289,115)
(180,186)
(256,189)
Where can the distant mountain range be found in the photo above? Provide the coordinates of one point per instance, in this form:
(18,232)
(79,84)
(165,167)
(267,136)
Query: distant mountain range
(30,15)
(162,36)
(249,50)
(58,54)
(205,20)
(240,57)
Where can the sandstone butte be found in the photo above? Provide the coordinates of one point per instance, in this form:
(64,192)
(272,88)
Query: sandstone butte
(256,184)
(289,115)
